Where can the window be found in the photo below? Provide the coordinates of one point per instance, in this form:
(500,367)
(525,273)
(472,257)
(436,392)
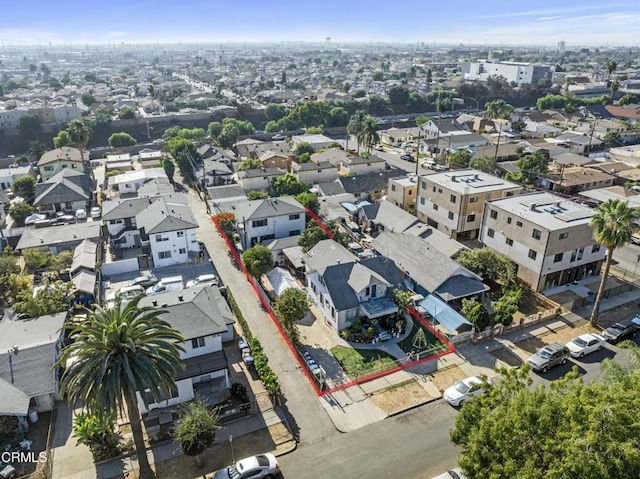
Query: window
(48,168)
(510,193)
(294,217)
(574,254)
(473,199)
(471,218)
(509,241)
(595,248)
(439,190)
(73,165)
(435,207)
(422,201)
(580,253)
(294,232)
(557,258)
(490,233)
(179,234)
(537,234)
(519,223)
(452,198)
(164,254)
(533,254)
(434,188)
(564,235)
(160,238)
(197,343)
(509,220)
(258,223)
(393,187)
(450,215)
(116,222)
(160,395)
(182,251)
(493,214)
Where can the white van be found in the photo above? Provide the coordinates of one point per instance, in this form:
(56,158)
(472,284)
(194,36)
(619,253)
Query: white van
(172,283)
(431,164)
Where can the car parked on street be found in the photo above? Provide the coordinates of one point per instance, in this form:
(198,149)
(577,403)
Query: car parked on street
(465,390)
(621,330)
(278,137)
(549,356)
(144,281)
(585,344)
(262,466)
(203,279)
(408,158)
(95,212)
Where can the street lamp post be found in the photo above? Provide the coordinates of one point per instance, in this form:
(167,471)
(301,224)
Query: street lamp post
(12,352)
(477,103)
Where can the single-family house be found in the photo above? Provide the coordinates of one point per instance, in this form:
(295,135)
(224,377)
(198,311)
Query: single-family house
(150,159)
(58,238)
(29,348)
(368,186)
(345,288)
(317,142)
(274,159)
(335,156)
(571,181)
(9,175)
(259,178)
(213,173)
(359,165)
(121,162)
(68,191)
(53,161)
(260,220)
(311,173)
(203,318)
(129,182)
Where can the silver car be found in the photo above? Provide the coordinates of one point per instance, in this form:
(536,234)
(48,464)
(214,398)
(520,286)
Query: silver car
(549,356)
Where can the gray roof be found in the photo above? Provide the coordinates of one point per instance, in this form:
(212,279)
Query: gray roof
(369,183)
(58,235)
(261,172)
(460,286)
(332,188)
(212,166)
(35,338)
(327,253)
(311,166)
(571,159)
(225,192)
(13,402)
(84,255)
(202,312)
(63,187)
(120,209)
(332,155)
(390,216)
(269,208)
(156,187)
(168,213)
(428,266)
(84,282)
(359,160)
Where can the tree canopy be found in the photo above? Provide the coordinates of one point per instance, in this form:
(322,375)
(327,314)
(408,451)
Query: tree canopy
(258,259)
(288,184)
(25,188)
(20,211)
(197,428)
(490,265)
(121,139)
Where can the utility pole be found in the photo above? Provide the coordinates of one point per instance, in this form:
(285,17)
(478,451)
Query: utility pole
(593,128)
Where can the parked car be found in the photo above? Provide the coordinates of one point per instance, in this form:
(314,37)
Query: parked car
(408,158)
(125,293)
(95,212)
(144,281)
(203,279)
(81,214)
(278,137)
(159,141)
(378,148)
(451,474)
(548,357)
(262,466)
(585,344)
(14,165)
(466,389)
(621,330)
(431,164)
(172,283)
(441,167)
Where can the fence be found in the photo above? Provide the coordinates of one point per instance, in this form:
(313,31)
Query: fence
(500,329)
(121,266)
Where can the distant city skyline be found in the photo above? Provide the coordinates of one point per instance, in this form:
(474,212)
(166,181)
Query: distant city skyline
(577,23)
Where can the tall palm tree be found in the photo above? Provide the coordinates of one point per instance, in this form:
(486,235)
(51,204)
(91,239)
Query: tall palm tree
(368,135)
(611,67)
(498,109)
(614,86)
(79,134)
(119,352)
(613,224)
(355,126)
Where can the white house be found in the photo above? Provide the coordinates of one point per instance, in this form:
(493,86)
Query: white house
(312,173)
(318,142)
(261,220)
(259,178)
(131,181)
(203,318)
(170,228)
(9,175)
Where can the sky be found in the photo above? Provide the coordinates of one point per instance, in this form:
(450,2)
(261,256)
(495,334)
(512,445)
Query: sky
(493,22)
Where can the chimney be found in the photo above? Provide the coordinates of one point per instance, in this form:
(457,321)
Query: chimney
(155,303)
(454,178)
(533,206)
(338,261)
(181,298)
(164,305)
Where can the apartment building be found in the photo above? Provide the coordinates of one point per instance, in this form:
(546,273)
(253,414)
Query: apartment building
(402,191)
(548,238)
(453,201)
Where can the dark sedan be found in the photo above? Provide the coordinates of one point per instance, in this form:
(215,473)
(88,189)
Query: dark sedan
(408,158)
(620,330)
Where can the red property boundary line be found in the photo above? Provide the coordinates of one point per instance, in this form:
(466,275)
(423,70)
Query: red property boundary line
(303,365)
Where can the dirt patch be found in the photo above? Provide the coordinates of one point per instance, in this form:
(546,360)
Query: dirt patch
(398,398)
(445,378)
(625,311)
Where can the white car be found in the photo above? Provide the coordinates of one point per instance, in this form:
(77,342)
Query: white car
(262,466)
(95,212)
(203,279)
(81,214)
(378,148)
(585,344)
(451,474)
(464,390)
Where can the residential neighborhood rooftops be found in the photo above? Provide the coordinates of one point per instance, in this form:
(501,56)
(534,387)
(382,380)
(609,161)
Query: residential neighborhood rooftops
(469,182)
(259,209)
(549,211)
(167,213)
(63,153)
(45,237)
(580,176)
(31,331)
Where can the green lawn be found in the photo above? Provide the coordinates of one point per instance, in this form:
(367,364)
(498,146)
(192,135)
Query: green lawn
(360,362)
(407,343)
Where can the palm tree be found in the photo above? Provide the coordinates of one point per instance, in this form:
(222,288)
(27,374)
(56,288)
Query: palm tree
(613,224)
(614,86)
(368,135)
(79,133)
(497,109)
(611,67)
(119,352)
(355,125)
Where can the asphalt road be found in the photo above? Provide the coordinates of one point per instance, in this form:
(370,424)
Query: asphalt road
(628,257)
(411,445)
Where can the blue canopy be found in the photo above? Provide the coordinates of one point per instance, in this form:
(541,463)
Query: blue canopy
(448,317)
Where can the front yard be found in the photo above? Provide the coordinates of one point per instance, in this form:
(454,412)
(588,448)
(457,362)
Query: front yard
(357,363)
(429,341)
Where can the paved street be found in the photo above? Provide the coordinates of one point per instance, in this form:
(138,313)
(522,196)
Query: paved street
(308,420)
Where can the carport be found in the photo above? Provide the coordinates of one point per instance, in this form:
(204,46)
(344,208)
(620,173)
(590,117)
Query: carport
(447,317)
